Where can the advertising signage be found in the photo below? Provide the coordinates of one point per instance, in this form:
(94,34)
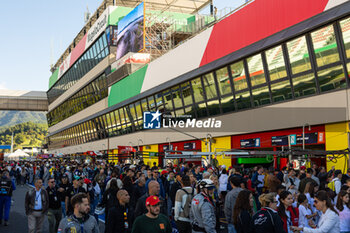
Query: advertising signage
(252,142)
(310,138)
(131,34)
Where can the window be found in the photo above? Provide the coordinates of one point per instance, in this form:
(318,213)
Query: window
(275,63)
(223,81)
(298,55)
(256,70)
(187,93)
(325,46)
(261,96)
(238,75)
(304,85)
(167,95)
(197,90)
(345,28)
(281,91)
(243,100)
(331,78)
(209,86)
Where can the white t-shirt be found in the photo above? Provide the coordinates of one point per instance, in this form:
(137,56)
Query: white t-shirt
(303,221)
(344,217)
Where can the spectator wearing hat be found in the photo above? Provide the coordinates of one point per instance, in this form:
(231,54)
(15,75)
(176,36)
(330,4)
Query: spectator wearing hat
(54,213)
(153,221)
(62,188)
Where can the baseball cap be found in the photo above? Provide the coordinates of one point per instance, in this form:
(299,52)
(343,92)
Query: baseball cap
(77,178)
(164,172)
(152,200)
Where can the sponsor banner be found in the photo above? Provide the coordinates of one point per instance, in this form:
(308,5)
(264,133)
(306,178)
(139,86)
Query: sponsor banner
(310,138)
(97,28)
(64,66)
(131,32)
(126,149)
(252,142)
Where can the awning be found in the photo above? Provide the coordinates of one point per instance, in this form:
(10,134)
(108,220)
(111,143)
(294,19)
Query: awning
(183,6)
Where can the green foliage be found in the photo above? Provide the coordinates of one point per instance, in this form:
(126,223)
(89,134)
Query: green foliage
(10,118)
(25,134)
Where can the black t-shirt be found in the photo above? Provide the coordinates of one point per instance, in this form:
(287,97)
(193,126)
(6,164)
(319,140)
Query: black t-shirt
(54,200)
(70,193)
(62,195)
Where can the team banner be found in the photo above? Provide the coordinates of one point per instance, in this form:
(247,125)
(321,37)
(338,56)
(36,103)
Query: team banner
(131,32)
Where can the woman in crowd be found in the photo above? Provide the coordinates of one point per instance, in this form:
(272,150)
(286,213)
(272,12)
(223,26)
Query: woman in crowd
(344,211)
(223,184)
(329,221)
(288,214)
(266,220)
(305,212)
(243,211)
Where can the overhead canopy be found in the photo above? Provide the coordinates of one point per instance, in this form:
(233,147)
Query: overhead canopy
(17,154)
(183,6)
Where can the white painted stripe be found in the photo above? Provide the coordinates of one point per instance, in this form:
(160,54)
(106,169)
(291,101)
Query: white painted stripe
(176,62)
(333,3)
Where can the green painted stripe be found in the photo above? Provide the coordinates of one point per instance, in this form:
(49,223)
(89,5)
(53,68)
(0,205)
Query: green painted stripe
(53,78)
(118,14)
(127,87)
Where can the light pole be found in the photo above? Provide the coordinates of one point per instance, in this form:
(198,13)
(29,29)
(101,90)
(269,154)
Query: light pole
(306,124)
(209,142)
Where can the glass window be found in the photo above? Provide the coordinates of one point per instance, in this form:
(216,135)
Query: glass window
(209,86)
(243,100)
(304,85)
(133,114)
(325,46)
(168,100)
(261,96)
(275,63)
(138,110)
(187,93)
(281,91)
(256,70)
(223,81)
(345,28)
(201,110)
(126,114)
(238,75)
(144,105)
(177,97)
(298,55)
(331,78)
(227,103)
(122,117)
(197,90)
(213,107)
(151,103)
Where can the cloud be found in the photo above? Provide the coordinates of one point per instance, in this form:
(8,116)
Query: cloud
(3,86)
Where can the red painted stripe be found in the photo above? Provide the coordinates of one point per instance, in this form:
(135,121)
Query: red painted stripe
(78,50)
(257,21)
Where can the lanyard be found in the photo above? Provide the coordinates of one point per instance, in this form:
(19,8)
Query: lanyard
(37,196)
(82,227)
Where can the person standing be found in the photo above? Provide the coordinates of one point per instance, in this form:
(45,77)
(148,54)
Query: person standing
(6,188)
(202,212)
(120,217)
(73,190)
(54,213)
(230,201)
(288,214)
(343,209)
(243,211)
(80,221)
(153,221)
(36,207)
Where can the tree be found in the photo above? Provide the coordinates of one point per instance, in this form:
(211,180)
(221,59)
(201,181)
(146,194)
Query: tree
(19,139)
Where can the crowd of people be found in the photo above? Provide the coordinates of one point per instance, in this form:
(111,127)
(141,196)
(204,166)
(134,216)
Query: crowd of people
(177,198)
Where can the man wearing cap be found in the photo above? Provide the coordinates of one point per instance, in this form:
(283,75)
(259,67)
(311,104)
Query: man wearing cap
(152,221)
(202,213)
(62,190)
(73,190)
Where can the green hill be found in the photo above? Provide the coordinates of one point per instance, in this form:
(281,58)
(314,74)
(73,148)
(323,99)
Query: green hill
(25,134)
(10,118)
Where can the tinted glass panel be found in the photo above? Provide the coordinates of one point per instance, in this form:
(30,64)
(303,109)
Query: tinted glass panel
(325,46)
(281,91)
(243,100)
(304,85)
(213,107)
(298,55)
(159,102)
(331,78)
(223,81)
(151,103)
(345,28)
(261,96)
(168,100)
(238,75)
(186,93)
(209,86)
(177,97)
(275,63)
(197,90)
(227,103)
(256,70)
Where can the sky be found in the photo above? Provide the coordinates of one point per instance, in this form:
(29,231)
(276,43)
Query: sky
(34,34)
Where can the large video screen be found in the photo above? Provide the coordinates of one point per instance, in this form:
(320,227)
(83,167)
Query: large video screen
(131,32)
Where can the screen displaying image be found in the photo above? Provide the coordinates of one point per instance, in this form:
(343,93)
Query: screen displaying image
(130,32)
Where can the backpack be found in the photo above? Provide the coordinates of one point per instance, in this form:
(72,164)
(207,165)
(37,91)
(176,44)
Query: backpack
(187,207)
(331,185)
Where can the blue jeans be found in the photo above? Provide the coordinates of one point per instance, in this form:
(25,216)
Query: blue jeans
(63,207)
(231,228)
(5,205)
